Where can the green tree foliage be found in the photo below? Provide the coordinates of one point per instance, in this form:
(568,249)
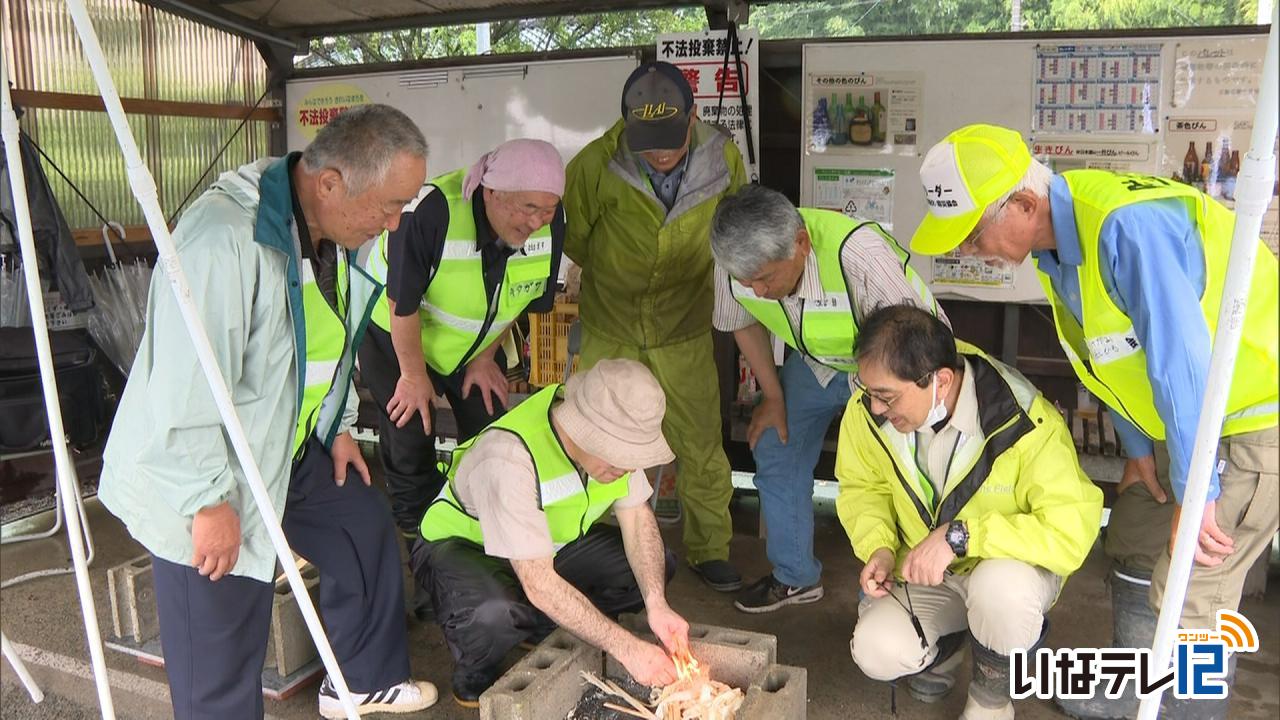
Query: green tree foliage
(813,19)
(598,30)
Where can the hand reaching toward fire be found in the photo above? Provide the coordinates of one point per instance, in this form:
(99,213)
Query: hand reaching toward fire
(647,663)
(671,629)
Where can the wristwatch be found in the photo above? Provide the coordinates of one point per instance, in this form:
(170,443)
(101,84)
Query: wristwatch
(958,537)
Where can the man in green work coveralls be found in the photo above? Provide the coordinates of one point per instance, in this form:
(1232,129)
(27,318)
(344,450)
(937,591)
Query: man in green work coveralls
(639,202)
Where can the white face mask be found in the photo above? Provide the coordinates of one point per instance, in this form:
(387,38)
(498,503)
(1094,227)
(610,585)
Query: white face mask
(938,412)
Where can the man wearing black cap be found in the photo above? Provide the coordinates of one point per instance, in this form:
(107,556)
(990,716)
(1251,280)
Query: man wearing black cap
(638,203)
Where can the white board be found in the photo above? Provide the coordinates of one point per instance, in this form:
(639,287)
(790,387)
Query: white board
(993,81)
(466,111)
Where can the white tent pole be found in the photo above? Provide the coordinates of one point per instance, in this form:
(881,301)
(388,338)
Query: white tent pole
(64,469)
(1253,194)
(37,696)
(144,188)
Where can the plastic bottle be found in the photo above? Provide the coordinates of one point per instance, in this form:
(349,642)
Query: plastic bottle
(821,125)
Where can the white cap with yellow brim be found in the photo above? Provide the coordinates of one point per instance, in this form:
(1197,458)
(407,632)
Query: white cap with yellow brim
(962,175)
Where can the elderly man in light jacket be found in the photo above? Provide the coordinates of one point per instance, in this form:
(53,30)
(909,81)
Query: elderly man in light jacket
(269,254)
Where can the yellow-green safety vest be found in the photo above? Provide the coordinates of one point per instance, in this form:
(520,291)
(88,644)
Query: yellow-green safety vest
(1106,353)
(828,329)
(457,318)
(331,342)
(1023,463)
(571,501)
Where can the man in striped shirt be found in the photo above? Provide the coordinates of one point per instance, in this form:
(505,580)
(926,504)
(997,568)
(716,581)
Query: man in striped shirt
(808,276)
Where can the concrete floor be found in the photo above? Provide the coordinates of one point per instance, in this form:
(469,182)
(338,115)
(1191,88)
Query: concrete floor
(42,618)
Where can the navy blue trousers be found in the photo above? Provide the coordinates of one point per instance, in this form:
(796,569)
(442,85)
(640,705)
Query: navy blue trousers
(214,634)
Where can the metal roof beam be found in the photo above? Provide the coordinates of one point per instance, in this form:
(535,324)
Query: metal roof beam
(205,13)
(477,15)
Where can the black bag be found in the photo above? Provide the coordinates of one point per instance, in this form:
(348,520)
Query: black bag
(23,423)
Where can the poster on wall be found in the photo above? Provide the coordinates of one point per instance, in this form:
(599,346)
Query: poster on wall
(864,112)
(858,193)
(701,57)
(1096,88)
(1067,153)
(954,270)
(325,102)
(1205,151)
(1215,74)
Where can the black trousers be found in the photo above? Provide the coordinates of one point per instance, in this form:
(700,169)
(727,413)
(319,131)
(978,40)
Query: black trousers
(482,610)
(214,634)
(408,454)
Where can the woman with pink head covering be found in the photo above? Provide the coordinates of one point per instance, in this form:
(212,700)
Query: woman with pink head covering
(478,247)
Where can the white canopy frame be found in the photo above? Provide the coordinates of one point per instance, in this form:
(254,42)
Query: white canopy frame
(1253,194)
(144,189)
(68,488)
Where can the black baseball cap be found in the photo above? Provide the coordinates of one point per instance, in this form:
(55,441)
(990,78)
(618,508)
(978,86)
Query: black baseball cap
(656,101)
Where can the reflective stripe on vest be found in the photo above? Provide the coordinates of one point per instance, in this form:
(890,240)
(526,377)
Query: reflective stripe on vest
(458,320)
(828,327)
(571,504)
(326,337)
(1106,353)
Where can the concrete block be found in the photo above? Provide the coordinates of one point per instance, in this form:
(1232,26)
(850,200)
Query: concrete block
(289,645)
(543,685)
(131,586)
(782,692)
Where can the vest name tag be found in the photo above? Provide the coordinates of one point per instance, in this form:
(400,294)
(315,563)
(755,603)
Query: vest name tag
(540,246)
(529,287)
(1116,346)
(830,302)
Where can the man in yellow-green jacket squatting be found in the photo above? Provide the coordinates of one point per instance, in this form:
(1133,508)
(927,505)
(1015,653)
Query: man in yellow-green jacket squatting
(961,491)
(639,202)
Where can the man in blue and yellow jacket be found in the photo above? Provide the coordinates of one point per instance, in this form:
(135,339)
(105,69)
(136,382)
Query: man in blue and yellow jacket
(961,491)
(1134,268)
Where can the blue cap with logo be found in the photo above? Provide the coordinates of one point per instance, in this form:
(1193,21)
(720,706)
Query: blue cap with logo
(656,101)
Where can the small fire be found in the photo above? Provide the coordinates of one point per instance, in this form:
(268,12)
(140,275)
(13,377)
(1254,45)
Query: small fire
(687,667)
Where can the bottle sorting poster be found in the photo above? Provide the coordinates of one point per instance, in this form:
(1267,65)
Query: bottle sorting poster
(863,112)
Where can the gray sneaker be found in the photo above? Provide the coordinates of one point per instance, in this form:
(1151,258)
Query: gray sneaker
(767,594)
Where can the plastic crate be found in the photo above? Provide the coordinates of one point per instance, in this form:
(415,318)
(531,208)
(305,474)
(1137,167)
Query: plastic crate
(549,343)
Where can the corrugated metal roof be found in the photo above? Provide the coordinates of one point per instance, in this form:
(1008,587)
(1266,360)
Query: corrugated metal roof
(300,19)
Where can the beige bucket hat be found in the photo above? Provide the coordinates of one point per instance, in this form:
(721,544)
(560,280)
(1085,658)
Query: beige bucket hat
(614,411)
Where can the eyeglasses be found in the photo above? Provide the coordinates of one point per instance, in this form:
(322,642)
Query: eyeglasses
(970,244)
(886,401)
(529,210)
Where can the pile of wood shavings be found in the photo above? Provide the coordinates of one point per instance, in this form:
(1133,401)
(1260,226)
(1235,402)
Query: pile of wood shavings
(693,698)
(697,698)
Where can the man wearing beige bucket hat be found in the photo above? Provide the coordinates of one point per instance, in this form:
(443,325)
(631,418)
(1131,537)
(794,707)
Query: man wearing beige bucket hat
(511,548)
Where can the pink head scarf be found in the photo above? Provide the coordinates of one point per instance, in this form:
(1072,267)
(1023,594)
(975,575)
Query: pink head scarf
(518,165)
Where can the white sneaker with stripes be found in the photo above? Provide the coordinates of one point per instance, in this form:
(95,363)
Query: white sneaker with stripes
(408,696)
